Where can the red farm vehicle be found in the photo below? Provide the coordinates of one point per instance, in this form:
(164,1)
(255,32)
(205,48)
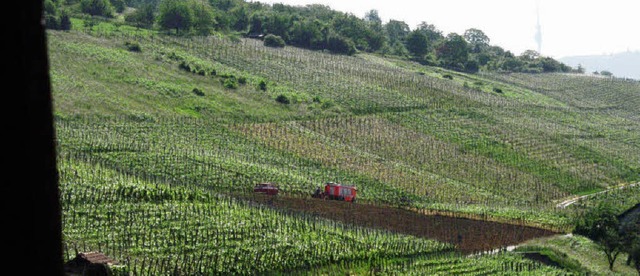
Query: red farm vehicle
(337,192)
(266,188)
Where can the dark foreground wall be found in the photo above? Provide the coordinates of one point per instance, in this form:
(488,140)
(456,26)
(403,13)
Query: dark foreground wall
(32,225)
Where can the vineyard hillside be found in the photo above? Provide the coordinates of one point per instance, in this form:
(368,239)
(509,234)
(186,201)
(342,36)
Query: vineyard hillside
(162,138)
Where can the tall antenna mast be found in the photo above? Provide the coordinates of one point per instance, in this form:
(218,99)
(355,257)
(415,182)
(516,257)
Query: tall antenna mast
(538,36)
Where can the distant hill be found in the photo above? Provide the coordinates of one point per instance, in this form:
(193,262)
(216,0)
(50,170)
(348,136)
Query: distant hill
(625,64)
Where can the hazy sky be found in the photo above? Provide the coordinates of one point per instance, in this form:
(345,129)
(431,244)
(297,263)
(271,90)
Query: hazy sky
(569,27)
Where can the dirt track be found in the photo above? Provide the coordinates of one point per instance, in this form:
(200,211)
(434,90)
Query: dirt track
(570,201)
(468,235)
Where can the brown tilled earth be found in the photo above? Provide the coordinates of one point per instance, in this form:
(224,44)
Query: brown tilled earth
(468,235)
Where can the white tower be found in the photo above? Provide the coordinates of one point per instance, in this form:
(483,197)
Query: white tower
(538,36)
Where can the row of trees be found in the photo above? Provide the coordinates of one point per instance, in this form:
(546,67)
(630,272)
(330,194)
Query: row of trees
(318,27)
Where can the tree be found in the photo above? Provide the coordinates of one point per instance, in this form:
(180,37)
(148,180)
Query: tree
(354,28)
(417,44)
(477,39)
(550,65)
(97,7)
(118,5)
(454,52)
(203,19)
(606,73)
(373,17)
(530,55)
(278,23)
(175,14)
(396,31)
(65,20)
(601,225)
(430,31)
(142,17)
(307,33)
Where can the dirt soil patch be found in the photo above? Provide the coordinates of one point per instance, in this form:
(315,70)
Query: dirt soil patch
(469,236)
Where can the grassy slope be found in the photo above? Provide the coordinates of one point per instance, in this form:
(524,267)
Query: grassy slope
(394,128)
(580,253)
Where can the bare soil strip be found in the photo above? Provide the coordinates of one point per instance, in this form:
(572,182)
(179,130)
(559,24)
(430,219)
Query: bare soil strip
(469,236)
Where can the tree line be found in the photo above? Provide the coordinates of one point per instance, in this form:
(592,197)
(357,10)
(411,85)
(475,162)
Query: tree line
(315,27)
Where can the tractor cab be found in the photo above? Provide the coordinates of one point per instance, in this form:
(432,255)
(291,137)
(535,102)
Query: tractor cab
(337,191)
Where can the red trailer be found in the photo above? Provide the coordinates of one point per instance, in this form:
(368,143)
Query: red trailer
(266,188)
(337,191)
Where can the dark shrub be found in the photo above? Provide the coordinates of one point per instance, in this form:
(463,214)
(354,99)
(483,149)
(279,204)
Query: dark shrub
(341,45)
(497,90)
(273,41)
(197,92)
(185,66)
(472,66)
(262,85)
(242,80)
(133,46)
(447,76)
(51,22)
(65,22)
(283,99)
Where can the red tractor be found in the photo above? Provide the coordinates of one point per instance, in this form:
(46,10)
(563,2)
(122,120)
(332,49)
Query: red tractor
(337,192)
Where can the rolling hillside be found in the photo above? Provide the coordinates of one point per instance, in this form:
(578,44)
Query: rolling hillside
(155,130)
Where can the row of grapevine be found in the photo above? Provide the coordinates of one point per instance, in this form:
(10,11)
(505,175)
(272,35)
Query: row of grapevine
(140,222)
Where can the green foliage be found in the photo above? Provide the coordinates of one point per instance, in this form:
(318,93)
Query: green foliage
(97,7)
(230,83)
(417,44)
(307,34)
(118,5)
(397,31)
(275,41)
(602,226)
(477,39)
(203,17)
(55,18)
(341,45)
(454,52)
(175,14)
(50,8)
(606,73)
(143,16)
